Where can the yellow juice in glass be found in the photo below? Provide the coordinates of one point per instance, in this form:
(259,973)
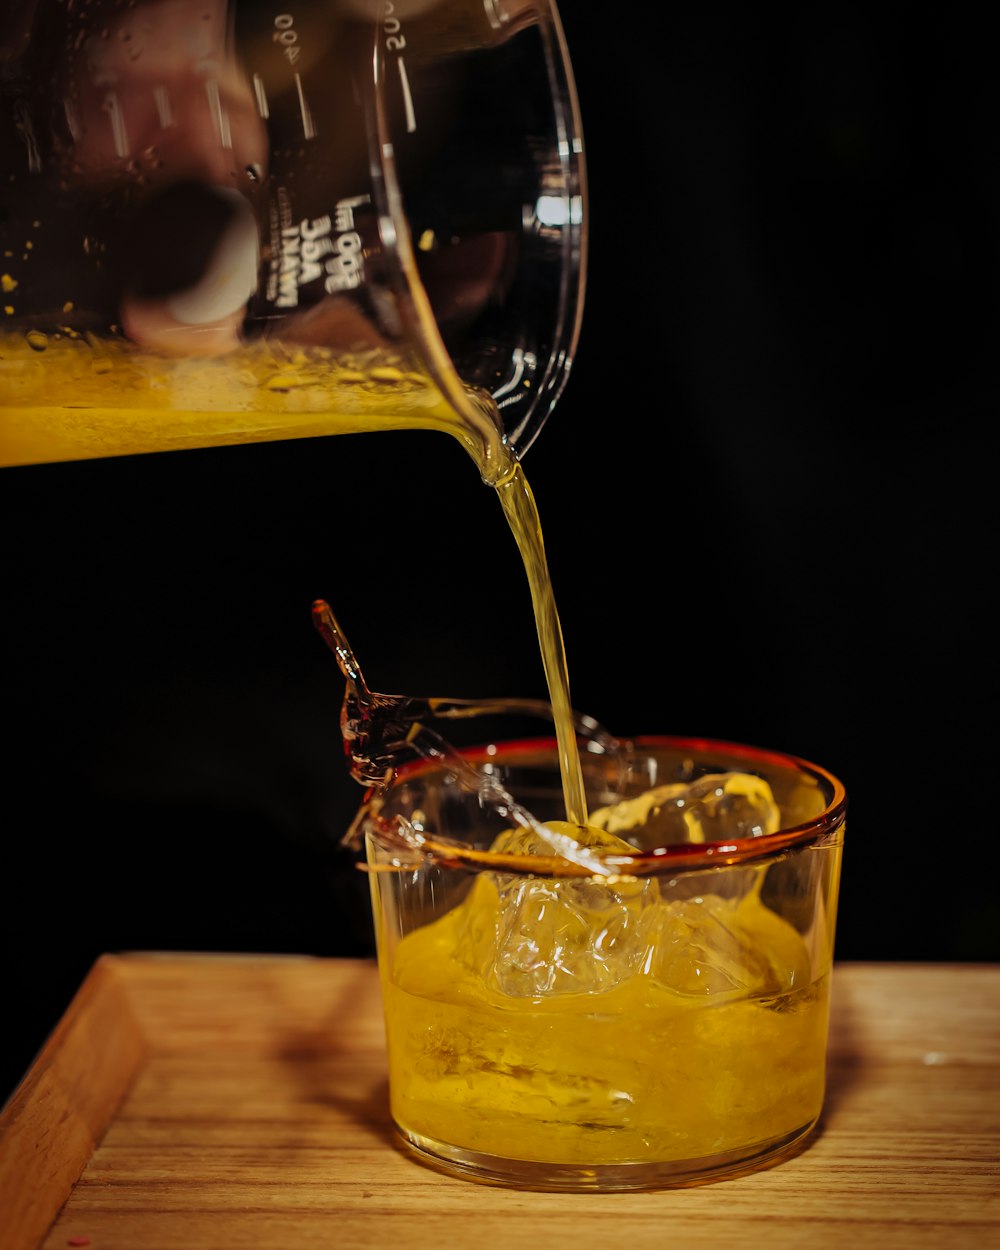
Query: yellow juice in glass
(626,1031)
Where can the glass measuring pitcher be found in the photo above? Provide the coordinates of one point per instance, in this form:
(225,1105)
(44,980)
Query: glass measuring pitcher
(227,222)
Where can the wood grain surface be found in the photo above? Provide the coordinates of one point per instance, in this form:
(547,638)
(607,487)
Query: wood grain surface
(240,1103)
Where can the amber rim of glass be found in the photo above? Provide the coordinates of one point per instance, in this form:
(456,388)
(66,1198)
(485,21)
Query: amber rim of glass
(678,856)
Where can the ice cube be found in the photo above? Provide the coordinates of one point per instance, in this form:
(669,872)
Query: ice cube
(532,936)
(717,807)
(706,944)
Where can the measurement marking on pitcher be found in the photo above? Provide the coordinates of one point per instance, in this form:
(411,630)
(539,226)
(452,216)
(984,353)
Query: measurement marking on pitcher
(116,117)
(261,94)
(163,110)
(411,117)
(71,120)
(219,114)
(395,41)
(287,38)
(494,14)
(308,128)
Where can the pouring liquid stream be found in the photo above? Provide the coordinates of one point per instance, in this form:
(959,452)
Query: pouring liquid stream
(518,503)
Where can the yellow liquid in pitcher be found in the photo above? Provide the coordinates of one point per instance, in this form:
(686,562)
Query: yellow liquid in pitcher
(80,398)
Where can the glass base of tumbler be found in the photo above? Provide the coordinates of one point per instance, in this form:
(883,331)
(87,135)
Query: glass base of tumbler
(603,1178)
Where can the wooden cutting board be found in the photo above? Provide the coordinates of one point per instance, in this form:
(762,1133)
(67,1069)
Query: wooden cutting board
(200,1102)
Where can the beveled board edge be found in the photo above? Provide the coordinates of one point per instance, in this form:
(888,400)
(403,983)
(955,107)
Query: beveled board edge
(59,1112)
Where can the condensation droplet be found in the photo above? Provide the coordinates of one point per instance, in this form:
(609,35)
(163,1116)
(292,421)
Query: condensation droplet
(37,341)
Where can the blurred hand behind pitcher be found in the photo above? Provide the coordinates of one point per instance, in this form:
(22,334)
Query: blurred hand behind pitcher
(160,111)
(158,107)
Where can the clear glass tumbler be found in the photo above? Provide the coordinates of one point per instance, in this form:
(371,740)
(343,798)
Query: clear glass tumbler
(649,1012)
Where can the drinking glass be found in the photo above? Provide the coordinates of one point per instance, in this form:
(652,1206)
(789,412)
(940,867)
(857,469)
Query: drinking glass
(222,221)
(642,1014)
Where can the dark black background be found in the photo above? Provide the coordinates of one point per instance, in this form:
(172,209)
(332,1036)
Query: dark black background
(767,497)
